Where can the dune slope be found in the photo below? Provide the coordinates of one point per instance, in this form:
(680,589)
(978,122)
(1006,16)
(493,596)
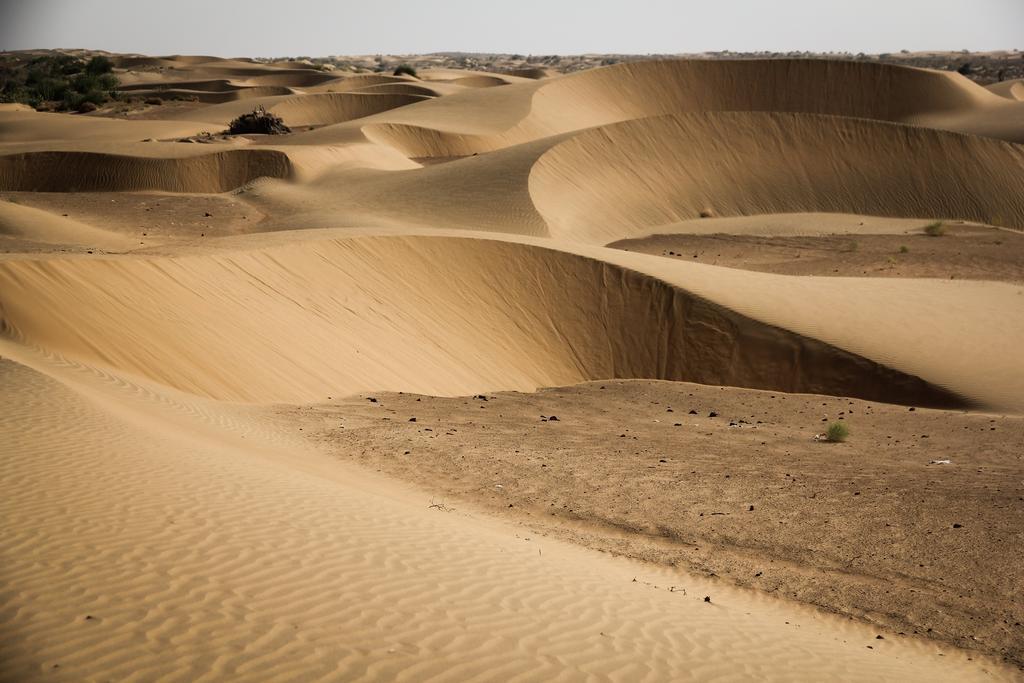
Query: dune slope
(603,183)
(502,316)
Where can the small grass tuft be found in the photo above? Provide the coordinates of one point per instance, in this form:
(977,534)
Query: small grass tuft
(936,229)
(837,432)
(904,249)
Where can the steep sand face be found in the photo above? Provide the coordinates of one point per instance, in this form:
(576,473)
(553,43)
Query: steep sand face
(605,183)
(1011,90)
(318,109)
(863,90)
(89,171)
(199,92)
(28,126)
(306,313)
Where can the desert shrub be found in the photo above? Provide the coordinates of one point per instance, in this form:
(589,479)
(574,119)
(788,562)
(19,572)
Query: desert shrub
(904,249)
(99,65)
(405,69)
(837,432)
(57,81)
(155,101)
(936,229)
(259,121)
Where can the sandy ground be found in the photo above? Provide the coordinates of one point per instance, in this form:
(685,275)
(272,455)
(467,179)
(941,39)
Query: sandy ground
(961,252)
(875,527)
(196,485)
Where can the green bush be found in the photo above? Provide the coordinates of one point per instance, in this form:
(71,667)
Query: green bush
(405,69)
(57,81)
(837,432)
(936,229)
(99,65)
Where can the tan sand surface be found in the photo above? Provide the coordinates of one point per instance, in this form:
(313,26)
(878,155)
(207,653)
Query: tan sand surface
(230,552)
(975,252)
(192,323)
(864,527)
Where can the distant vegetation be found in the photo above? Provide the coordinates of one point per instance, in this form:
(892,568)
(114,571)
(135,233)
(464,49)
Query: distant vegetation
(936,229)
(837,432)
(405,69)
(258,121)
(58,82)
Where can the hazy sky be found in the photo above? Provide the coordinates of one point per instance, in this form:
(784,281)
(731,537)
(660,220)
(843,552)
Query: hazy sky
(322,27)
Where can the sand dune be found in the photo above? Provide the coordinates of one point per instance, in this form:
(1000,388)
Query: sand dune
(88,171)
(480,81)
(217,85)
(638,90)
(1013,90)
(488,192)
(399,89)
(179,313)
(532,72)
(601,184)
(208,91)
(34,127)
(31,224)
(305,110)
(328,108)
(572,319)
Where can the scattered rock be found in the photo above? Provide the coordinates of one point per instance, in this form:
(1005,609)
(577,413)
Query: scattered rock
(712,414)
(412,419)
